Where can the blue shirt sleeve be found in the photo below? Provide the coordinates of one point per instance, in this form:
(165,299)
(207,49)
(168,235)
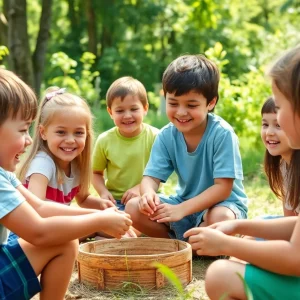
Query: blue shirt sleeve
(227,160)
(160,164)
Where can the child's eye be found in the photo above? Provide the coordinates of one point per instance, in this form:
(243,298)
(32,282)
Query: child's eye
(192,106)
(277,125)
(264,125)
(172,104)
(60,132)
(119,111)
(134,109)
(80,133)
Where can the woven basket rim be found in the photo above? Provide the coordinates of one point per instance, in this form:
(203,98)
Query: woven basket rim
(188,247)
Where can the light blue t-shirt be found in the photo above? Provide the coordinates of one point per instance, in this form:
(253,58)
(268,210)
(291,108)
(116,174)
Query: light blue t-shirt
(216,156)
(10,198)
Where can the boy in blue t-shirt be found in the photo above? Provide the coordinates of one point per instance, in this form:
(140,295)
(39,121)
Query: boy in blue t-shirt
(201,148)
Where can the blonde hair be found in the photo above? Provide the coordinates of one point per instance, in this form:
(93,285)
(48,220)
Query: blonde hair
(126,86)
(47,110)
(15,96)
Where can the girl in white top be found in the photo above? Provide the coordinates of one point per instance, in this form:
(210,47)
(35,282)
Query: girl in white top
(58,167)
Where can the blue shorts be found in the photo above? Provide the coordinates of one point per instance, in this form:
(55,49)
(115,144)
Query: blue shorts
(177,229)
(12,236)
(18,280)
(120,205)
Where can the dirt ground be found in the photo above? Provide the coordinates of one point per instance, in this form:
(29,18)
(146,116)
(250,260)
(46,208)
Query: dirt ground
(195,288)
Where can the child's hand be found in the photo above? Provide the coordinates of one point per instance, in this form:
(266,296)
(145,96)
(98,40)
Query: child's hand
(107,195)
(206,241)
(129,194)
(116,223)
(148,203)
(104,204)
(167,213)
(130,234)
(228,227)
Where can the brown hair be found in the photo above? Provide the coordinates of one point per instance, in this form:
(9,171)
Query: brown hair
(46,112)
(285,74)
(192,73)
(15,96)
(126,86)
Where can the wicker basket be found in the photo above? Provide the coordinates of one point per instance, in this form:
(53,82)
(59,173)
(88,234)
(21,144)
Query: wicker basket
(108,264)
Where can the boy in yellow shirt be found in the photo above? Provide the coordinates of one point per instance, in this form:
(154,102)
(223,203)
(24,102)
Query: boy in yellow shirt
(124,150)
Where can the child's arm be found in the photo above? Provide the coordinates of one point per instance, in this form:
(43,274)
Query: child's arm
(55,230)
(279,256)
(99,185)
(149,200)
(48,209)
(90,201)
(38,185)
(216,193)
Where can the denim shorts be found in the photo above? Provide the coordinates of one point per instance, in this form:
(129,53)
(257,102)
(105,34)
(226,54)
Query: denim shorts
(120,205)
(177,229)
(18,280)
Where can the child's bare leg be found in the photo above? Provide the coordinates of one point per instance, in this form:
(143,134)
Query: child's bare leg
(55,264)
(142,222)
(221,278)
(217,214)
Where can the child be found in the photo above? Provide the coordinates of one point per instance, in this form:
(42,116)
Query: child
(58,167)
(124,150)
(47,245)
(281,162)
(274,269)
(203,151)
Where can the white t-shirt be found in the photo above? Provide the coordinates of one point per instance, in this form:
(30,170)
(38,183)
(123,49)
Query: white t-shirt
(58,192)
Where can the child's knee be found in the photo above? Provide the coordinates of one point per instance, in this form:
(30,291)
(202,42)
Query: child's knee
(132,207)
(71,249)
(218,214)
(215,275)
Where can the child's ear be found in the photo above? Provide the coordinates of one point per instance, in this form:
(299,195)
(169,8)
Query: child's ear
(109,111)
(42,132)
(146,107)
(212,104)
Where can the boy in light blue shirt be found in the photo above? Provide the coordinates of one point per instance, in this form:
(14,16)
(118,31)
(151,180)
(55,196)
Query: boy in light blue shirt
(201,148)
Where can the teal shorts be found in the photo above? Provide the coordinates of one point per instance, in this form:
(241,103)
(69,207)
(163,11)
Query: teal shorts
(267,285)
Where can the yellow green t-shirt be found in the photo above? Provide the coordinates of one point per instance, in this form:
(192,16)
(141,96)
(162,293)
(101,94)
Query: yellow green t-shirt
(124,159)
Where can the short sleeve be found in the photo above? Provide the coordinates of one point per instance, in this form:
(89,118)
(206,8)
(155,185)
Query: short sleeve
(42,164)
(227,159)
(10,197)
(160,164)
(99,160)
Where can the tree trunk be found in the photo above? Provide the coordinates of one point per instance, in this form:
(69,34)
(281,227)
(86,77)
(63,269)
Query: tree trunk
(38,58)
(18,41)
(3,24)
(92,26)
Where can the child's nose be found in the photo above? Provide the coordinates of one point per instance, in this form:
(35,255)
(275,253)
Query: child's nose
(28,140)
(270,131)
(70,138)
(127,114)
(181,111)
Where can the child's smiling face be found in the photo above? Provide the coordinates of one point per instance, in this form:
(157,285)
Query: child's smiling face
(287,118)
(14,139)
(274,138)
(188,112)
